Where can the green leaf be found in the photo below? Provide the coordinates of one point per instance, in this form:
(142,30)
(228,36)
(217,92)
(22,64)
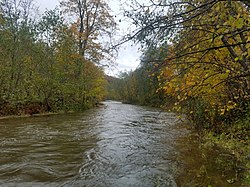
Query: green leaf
(239,23)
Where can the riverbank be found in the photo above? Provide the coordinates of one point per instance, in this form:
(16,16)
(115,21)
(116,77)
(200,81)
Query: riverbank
(32,115)
(235,141)
(23,108)
(220,160)
(32,109)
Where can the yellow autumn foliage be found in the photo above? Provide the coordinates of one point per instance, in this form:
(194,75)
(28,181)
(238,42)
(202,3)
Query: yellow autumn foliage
(208,55)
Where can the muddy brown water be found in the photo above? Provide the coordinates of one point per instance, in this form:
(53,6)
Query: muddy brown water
(111,146)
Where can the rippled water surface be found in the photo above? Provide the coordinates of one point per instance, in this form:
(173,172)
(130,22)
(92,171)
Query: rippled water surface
(115,145)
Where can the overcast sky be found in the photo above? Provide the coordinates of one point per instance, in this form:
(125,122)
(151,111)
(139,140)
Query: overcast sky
(128,58)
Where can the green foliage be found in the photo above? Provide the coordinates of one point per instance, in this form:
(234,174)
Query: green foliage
(40,64)
(206,64)
(141,86)
(205,68)
(93,21)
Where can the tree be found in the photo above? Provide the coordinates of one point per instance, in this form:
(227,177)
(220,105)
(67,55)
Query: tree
(62,84)
(167,19)
(207,65)
(17,31)
(141,86)
(47,28)
(94,28)
(40,63)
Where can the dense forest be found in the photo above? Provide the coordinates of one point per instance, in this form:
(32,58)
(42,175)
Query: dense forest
(54,61)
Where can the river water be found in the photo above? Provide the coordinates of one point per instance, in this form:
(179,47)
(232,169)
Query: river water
(111,146)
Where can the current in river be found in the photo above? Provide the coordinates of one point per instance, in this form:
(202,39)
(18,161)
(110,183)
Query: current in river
(114,145)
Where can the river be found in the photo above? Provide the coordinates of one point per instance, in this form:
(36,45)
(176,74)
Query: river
(110,146)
